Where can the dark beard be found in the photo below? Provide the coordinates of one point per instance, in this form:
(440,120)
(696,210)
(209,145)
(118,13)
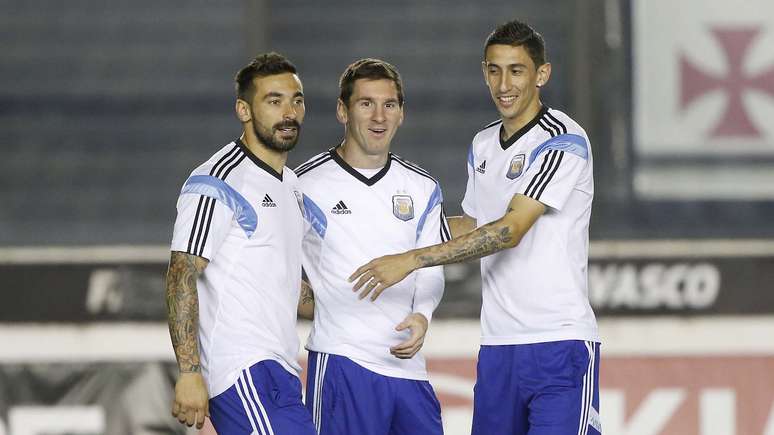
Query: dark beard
(267,138)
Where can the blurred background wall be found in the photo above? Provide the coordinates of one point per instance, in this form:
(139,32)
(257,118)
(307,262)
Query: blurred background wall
(106,108)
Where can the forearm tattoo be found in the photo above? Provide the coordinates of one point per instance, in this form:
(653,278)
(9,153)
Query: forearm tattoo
(183,308)
(486,240)
(307,295)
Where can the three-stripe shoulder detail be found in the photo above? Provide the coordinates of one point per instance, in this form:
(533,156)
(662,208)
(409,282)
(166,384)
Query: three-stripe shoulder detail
(312,163)
(551,161)
(412,167)
(445,231)
(201,226)
(551,124)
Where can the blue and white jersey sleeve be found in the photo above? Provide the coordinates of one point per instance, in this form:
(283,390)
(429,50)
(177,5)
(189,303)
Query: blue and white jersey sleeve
(433,229)
(469,200)
(556,168)
(314,217)
(204,217)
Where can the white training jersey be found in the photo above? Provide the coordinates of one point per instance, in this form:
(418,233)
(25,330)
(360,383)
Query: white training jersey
(352,219)
(537,291)
(245,218)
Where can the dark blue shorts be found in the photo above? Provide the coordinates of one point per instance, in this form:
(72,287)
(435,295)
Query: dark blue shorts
(348,399)
(265,400)
(538,389)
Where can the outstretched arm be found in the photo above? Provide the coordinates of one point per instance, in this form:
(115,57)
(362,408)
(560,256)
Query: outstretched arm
(191,396)
(504,233)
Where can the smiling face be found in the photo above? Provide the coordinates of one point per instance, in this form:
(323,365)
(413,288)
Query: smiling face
(277,110)
(514,83)
(372,116)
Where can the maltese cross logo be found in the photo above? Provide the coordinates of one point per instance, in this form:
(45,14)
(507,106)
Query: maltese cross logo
(695,82)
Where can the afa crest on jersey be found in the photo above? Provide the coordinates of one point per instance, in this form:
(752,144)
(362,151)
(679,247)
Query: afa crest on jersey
(403,207)
(516,167)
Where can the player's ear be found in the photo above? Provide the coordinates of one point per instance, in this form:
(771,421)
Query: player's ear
(483,71)
(341,111)
(243,110)
(543,74)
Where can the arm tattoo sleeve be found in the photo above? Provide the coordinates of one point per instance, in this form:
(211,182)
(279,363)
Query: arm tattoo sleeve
(486,240)
(183,308)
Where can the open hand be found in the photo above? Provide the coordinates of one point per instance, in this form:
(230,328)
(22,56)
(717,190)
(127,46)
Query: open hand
(417,323)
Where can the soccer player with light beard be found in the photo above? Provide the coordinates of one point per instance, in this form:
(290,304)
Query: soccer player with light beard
(526,215)
(234,275)
(365,375)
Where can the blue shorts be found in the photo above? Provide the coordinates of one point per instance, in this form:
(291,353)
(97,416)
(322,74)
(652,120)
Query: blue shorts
(538,389)
(348,399)
(265,400)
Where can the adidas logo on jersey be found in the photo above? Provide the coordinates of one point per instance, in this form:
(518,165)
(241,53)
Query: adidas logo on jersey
(341,208)
(268,202)
(481,168)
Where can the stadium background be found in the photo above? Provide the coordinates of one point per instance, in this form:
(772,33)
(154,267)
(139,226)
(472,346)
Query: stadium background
(106,107)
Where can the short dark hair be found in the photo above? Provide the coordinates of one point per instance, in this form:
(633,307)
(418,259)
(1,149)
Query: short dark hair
(370,69)
(267,64)
(517,33)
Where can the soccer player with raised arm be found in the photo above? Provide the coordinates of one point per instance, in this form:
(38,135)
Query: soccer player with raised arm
(235,272)
(366,376)
(527,208)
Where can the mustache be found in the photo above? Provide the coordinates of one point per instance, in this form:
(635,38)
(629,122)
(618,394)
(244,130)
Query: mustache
(290,123)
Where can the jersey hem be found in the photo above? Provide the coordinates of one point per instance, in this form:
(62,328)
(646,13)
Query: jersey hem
(218,386)
(548,202)
(467,211)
